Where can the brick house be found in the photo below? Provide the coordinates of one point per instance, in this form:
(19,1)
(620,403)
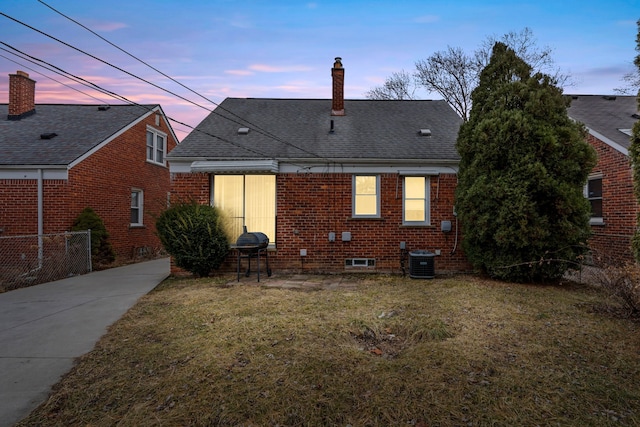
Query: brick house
(337,185)
(55,160)
(609,120)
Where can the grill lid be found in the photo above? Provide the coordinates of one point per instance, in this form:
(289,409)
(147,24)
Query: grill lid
(252,240)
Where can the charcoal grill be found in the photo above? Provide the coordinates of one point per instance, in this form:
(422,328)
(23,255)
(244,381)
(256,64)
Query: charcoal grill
(252,245)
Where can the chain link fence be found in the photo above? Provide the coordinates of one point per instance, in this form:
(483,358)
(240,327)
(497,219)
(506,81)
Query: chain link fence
(34,259)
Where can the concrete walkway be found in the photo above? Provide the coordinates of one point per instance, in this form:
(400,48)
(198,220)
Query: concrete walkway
(43,328)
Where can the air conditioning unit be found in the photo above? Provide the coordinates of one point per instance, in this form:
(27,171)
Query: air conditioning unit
(422,265)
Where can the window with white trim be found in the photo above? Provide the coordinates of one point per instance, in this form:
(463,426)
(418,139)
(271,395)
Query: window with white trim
(415,202)
(593,192)
(246,200)
(366,196)
(156,146)
(137,203)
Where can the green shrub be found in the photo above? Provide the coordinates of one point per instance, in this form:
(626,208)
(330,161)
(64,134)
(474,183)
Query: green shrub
(193,235)
(523,167)
(101,250)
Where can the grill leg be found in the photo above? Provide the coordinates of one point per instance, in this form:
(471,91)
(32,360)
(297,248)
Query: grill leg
(266,254)
(258,257)
(238,269)
(250,255)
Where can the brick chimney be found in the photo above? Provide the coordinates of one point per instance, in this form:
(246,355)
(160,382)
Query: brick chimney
(22,93)
(337,73)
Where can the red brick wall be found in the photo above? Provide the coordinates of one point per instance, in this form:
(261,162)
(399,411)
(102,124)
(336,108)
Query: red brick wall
(19,212)
(190,186)
(310,206)
(611,242)
(103,181)
(21,94)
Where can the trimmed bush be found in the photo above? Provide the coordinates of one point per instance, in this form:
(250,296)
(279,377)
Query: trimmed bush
(102,252)
(194,236)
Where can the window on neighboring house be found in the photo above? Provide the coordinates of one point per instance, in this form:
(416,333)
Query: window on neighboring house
(416,201)
(246,200)
(593,192)
(136,207)
(156,146)
(366,196)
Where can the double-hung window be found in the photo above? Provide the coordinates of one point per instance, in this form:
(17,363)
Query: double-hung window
(415,203)
(246,200)
(156,146)
(593,192)
(136,207)
(366,196)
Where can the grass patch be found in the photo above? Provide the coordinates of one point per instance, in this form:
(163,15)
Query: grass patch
(389,351)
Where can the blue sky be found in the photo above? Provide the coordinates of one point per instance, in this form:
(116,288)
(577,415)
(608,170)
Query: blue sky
(285,49)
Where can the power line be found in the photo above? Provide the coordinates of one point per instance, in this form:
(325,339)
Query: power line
(265,132)
(101,60)
(45,76)
(124,51)
(67,74)
(260,130)
(87,83)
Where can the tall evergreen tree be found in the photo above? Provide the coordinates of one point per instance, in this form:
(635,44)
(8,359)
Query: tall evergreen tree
(634,152)
(523,167)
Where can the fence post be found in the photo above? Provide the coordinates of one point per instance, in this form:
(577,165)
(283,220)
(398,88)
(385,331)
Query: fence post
(89,250)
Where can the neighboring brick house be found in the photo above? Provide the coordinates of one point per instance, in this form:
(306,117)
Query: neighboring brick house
(337,185)
(609,120)
(55,160)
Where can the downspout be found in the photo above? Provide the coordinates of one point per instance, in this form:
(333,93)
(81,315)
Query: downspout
(40,217)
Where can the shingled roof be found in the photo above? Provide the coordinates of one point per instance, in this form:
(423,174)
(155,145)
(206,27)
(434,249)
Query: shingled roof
(606,116)
(78,129)
(304,129)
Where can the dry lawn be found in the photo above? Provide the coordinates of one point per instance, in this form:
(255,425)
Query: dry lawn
(390,351)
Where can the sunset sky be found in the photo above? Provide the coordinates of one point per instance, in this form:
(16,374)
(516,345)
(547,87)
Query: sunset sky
(285,49)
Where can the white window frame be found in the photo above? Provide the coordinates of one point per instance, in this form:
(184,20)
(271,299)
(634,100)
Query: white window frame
(139,207)
(158,154)
(354,197)
(594,220)
(427,201)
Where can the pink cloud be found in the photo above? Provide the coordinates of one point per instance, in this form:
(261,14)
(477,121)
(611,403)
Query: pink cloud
(239,72)
(264,68)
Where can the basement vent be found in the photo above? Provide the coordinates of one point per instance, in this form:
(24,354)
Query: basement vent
(50,135)
(635,116)
(243,131)
(360,262)
(424,132)
(103,107)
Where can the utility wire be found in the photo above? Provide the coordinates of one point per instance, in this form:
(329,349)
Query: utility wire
(45,76)
(265,132)
(256,127)
(89,84)
(125,52)
(74,77)
(101,60)
(125,99)
(94,86)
